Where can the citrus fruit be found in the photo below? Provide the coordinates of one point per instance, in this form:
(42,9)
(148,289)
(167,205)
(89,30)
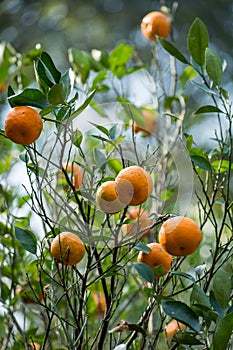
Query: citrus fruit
(156,257)
(133,185)
(23,125)
(141,221)
(34,346)
(180,236)
(3,87)
(172,328)
(67,248)
(147,125)
(107,198)
(155,23)
(100,303)
(75,173)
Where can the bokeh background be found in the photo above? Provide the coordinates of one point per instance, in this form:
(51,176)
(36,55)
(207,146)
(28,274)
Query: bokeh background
(60,24)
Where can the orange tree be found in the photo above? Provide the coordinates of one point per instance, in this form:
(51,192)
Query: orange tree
(112,298)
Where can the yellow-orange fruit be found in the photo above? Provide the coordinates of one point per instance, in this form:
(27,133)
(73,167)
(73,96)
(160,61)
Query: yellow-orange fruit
(107,198)
(67,248)
(133,185)
(172,328)
(155,23)
(141,222)
(147,125)
(180,236)
(23,125)
(75,173)
(156,257)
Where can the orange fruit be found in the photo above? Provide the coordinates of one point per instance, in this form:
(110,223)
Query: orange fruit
(147,125)
(75,173)
(172,328)
(107,198)
(180,236)
(67,248)
(23,125)
(155,23)
(100,303)
(34,346)
(141,222)
(133,185)
(3,87)
(156,257)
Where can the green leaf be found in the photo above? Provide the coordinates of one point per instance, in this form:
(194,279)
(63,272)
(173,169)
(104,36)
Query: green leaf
(144,271)
(115,164)
(198,40)
(221,166)
(99,159)
(29,97)
(222,288)
(223,332)
(189,142)
(142,247)
(204,88)
(27,239)
(185,338)
(181,312)
(216,307)
(56,94)
(77,138)
(199,297)
(207,109)
(213,66)
(188,74)
(172,50)
(183,274)
(81,62)
(52,72)
(83,105)
(101,128)
(118,59)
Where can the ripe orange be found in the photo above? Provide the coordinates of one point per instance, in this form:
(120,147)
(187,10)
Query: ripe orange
(155,23)
(180,236)
(23,125)
(107,198)
(133,185)
(67,248)
(75,173)
(147,125)
(172,328)
(100,303)
(34,346)
(156,257)
(141,222)
(3,87)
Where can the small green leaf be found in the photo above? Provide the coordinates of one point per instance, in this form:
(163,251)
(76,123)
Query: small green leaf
(222,288)
(56,94)
(77,138)
(115,164)
(144,271)
(27,239)
(204,88)
(29,97)
(221,166)
(207,109)
(187,75)
(172,50)
(185,338)
(83,105)
(81,62)
(52,71)
(189,142)
(118,59)
(99,159)
(199,297)
(213,67)
(215,305)
(181,312)
(223,332)
(183,274)
(141,247)
(198,40)
(101,128)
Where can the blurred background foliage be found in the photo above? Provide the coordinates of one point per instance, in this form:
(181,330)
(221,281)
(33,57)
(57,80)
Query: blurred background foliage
(101,24)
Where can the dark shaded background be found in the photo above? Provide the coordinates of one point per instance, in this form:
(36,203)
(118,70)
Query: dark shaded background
(60,24)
